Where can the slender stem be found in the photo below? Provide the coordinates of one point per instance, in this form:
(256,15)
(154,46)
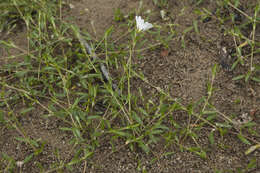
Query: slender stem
(231,5)
(129,65)
(253,44)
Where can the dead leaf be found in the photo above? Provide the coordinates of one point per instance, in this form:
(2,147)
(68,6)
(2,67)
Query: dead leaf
(164,53)
(252,112)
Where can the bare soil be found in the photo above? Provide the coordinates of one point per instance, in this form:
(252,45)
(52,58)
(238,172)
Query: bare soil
(185,72)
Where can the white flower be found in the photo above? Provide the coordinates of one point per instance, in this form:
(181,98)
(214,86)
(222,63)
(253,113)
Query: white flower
(71,6)
(141,25)
(19,163)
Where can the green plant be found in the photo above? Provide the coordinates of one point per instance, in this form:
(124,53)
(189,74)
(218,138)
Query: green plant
(161,3)
(56,77)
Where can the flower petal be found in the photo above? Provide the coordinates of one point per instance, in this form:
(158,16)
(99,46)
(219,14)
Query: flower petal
(141,25)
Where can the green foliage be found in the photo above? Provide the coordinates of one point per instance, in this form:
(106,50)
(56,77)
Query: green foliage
(161,3)
(60,77)
(118,15)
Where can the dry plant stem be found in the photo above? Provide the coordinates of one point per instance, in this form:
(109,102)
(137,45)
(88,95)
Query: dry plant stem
(20,131)
(207,100)
(85,167)
(253,43)
(102,66)
(227,118)
(231,5)
(54,169)
(28,95)
(122,36)
(175,100)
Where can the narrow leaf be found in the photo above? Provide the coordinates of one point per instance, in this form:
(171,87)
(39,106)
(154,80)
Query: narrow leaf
(243,139)
(256,79)
(238,77)
(211,138)
(252,148)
